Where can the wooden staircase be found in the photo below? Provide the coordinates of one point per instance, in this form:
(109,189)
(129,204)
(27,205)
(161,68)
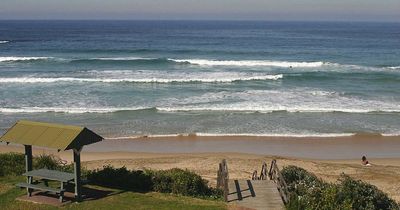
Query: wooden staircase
(261,192)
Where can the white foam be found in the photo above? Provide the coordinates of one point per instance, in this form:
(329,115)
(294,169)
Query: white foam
(3,42)
(199,78)
(391,134)
(122,58)
(261,109)
(279,134)
(12,58)
(301,135)
(284,64)
(72,110)
(394,67)
(290,100)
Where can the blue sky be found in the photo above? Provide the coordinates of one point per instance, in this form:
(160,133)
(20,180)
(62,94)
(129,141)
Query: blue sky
(340,10)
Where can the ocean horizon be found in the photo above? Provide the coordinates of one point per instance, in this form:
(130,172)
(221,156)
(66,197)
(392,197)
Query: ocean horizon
(254,78)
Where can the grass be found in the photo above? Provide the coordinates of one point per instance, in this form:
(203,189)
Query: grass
(117,200)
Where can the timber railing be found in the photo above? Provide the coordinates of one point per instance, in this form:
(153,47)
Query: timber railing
(223,178)
(263,173)
(276,176)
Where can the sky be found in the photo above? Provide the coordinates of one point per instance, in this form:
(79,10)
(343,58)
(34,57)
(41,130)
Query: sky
(313,10)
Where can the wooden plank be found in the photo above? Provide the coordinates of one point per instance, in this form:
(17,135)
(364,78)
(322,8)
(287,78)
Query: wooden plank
(50,175)
(256,194)
(40,187)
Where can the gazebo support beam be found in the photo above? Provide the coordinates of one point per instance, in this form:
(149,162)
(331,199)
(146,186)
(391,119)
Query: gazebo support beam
(28,164)
(28,157)
(77,173)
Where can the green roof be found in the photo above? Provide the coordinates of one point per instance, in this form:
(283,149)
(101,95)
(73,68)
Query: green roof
(56,136)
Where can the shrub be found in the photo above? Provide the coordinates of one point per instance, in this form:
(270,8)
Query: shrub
(48,161)
(364,195)
(309,192)
(12,164)
(300,181)
(121,178)
(178,181)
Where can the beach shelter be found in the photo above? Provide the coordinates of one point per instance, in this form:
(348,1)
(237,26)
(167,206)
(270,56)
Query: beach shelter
(53,136)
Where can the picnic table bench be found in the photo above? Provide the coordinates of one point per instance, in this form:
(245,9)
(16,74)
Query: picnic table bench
(45,175)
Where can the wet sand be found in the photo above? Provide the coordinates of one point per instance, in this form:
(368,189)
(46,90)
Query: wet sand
(302,147)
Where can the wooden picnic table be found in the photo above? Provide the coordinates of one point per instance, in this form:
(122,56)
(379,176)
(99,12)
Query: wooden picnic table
(46,175)
(50,175)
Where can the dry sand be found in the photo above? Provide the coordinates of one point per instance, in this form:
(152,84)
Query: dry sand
(384,172)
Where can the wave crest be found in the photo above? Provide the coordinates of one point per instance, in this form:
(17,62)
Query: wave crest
(14,59)
(284,64)
(394,67)
(139,80)
(71,110)
(265,110)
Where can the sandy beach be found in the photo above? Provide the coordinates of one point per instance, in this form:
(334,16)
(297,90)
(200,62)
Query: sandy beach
(326,157)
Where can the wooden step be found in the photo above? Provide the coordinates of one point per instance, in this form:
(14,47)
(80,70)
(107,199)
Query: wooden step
(255,194)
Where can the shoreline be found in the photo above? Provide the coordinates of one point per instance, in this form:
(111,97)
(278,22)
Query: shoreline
(322,135)
(343,147)
(322,148)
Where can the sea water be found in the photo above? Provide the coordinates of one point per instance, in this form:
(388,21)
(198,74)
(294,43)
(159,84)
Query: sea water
(133,78)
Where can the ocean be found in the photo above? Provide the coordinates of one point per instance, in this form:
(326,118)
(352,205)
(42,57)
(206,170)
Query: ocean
(134,78)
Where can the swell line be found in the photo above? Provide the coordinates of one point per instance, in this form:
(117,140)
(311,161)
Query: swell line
(140,80)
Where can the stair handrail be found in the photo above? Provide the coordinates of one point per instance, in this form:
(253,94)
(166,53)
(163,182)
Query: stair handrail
(263,173)
(223,178)
(275,175)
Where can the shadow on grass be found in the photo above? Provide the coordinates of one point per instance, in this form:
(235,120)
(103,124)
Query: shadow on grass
(121,179)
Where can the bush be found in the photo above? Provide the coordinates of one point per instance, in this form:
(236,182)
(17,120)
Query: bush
(177,181)
(300,181)
(121,178)
(48,161)
(12,164)
(181,182)
(309,192)
(364,195)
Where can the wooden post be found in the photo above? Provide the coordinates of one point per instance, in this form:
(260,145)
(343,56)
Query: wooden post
(77,173)
(28,157)
(28,166)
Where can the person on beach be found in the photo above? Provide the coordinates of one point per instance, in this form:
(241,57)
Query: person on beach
(364,161)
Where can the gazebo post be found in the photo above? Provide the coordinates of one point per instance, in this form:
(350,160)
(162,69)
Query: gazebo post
(77,173)
(28,164)
(28,157)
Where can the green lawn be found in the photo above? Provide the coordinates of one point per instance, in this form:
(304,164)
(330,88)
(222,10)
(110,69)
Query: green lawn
(118,200)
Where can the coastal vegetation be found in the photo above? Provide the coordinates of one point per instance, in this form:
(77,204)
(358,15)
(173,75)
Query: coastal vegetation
(183,189)
(307,191)
(127,189)
(176,181)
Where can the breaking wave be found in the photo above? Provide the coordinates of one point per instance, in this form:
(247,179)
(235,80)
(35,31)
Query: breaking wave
(284,64)
(80,110)
(16,59)
(141,80)
(199,62)
(394,67)
(72,110)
